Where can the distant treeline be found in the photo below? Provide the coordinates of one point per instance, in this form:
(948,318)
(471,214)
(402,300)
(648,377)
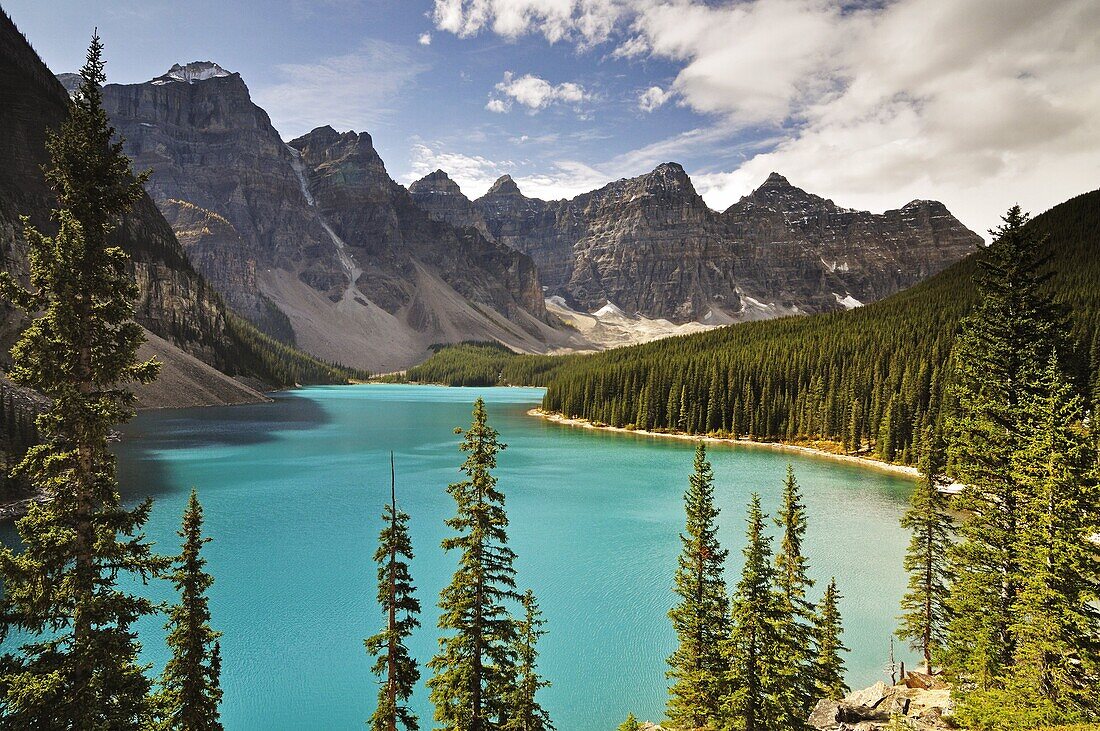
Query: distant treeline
(869,379)
(282,365)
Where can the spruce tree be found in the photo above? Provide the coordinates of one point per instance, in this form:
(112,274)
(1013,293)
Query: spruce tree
(796,628)
(397,597)
(1057,628)
(524,711)
(700,618)
(828,672)
(475,667)
(1001,348)
(630,724)
(753,652)
(924,606)
(80,668)
(191,684)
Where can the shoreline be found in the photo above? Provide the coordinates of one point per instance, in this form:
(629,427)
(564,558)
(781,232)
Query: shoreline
(896,469)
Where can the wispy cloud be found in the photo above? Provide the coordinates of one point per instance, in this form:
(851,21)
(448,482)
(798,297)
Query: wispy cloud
(474,174)
(424,39)
(351,91)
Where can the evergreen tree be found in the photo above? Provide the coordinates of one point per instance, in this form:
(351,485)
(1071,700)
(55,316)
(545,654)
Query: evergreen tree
(924,606)
(397,597)
(191,685)
(1057,629)
(752,649)
(524,711)
(701,616)
(829,670)
(796,628)
(630,724)
(475,667)
(1003,343)
(79,669)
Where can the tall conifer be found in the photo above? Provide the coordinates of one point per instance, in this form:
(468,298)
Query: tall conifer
(474,669)
(1000,351)
(828,672)
(191,684)
(752,649)
(698,668)
(397,597)
(1057,626)
(924,606)
(796,634)
(524,711)
(80,667)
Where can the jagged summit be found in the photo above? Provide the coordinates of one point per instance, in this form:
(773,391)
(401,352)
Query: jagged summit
(504,186)
(192,72)
(436,182)
(776,180)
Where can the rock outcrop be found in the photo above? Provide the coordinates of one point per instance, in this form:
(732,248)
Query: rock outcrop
(651,245)
(313,241)
(874,708)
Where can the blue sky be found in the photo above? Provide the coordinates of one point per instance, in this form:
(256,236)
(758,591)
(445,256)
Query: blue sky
(872,103)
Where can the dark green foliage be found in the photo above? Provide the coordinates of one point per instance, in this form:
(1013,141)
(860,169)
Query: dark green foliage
(1056,621)
(524,711)
(630,724)
(701,617)
(397,597)
(924,606)
(828,671)
(80,668)
(753,648)
(191,684)
(796,631)
(474,671)
(873,377)
(1014,330)
(264,357)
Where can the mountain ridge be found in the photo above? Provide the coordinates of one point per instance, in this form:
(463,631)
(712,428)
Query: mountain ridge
(650,244)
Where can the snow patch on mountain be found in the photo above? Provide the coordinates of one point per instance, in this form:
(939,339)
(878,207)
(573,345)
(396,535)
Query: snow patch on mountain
(847,301)
(192,72)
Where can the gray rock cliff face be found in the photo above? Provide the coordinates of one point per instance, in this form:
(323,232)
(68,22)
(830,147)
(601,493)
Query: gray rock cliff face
(441,198)
(313,241)
(650,244)
(211,148)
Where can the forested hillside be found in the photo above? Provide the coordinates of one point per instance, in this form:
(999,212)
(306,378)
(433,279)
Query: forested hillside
(868,379)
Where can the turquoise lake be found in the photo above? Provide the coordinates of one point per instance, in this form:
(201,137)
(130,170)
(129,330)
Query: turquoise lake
(293,492)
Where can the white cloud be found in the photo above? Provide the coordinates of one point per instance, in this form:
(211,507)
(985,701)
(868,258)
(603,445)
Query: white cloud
(535,93)
(585,21)
(351,91)
(473,173)
(425,39)
(653,98)
(979,103)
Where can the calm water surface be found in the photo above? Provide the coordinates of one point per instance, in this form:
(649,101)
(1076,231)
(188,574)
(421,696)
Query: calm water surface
(293,493)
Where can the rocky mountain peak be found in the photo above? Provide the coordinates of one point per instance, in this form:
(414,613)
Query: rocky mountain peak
(70,81)
(437,182)
(192,72)
(325,143)
(504,186)
(777,193)
(668,177)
